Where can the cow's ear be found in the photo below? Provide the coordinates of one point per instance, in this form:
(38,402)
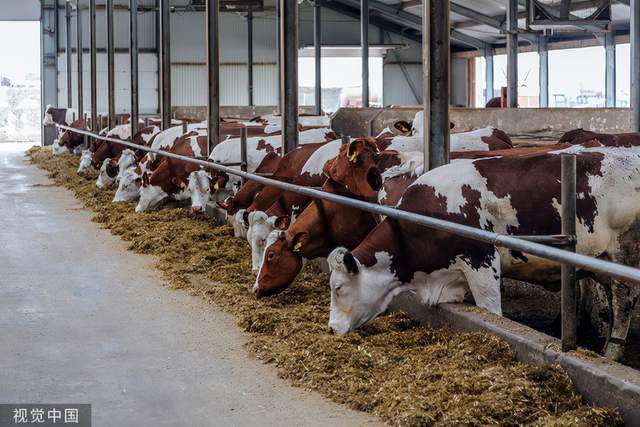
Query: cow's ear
(298,241)
(350,263)
(225,204)
(145,179)
(355,149)
(282,222)
(245,218)
(402,126)
(178,182)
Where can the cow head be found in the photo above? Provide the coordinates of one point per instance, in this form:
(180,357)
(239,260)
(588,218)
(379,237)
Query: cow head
(108,173)
(127,159)
(282,263)
(150,195)
(48,116)
(58,149)
(356,168)
(85,162)
(128,186)
(199,188)
(359,293)
(260,226)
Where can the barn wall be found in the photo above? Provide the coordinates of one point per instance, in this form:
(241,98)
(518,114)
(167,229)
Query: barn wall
(20,10)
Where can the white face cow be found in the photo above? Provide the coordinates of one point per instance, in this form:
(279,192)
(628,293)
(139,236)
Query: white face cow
(359,293)
(107,176)
(85,162)
(200,189)
(150,195)
(58,149)
(260,226)
(126,160)
(128,186)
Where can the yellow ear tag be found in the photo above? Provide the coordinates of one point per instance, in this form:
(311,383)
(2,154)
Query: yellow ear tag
(216,186)
(297,247)
(353,157)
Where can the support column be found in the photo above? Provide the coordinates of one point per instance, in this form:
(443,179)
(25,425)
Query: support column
(68,52)
(133,56)
(111,75)
(364,43)
(250,54)
(634,37)
(289,72)
(79,58)
(165,69)
(512,53)
(95,126)
(488,61)
(610,68)
(317,49)
(48,63)
(436,65)
(543,79)
(213,72)
(278,58)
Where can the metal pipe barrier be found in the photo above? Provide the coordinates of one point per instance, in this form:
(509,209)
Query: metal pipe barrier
(529,244)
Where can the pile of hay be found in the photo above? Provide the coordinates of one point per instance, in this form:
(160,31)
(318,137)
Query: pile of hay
(393,367)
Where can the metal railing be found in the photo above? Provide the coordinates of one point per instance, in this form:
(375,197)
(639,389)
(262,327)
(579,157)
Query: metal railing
(541,246)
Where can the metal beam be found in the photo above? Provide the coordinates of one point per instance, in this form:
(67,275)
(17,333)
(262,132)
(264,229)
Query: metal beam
(68,53)
(364,46)
(79,58)
(439,86)
(165,69)
(94,67)
(634,37)
(289,72)
(317,47)
(610,68)
(213,72)
(133,57)
(111,75)
(543,79)
(512,53)
(250,55)
(468,40)
(488,60)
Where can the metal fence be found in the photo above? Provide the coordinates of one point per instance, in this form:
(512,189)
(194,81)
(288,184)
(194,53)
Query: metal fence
(541,246)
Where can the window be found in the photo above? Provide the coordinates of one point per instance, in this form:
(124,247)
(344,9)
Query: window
(576,77)
(623,75)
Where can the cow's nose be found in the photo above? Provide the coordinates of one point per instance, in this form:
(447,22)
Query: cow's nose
(331,331)
(196,209)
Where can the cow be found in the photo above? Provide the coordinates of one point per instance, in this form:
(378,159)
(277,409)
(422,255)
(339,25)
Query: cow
(108,174)
(228,151)
(580,136)
(492,194)
(61,116)
(85,162)
(130,180)
(235,205)
(170,177)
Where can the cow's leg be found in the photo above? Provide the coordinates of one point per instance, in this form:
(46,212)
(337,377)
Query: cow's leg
(484,282)
(623,301)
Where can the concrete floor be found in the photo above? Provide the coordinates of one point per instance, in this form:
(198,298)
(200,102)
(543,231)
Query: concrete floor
(84,321)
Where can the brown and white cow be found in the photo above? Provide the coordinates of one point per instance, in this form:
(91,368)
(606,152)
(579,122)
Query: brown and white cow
(580,136)
(494,195)
(170,178)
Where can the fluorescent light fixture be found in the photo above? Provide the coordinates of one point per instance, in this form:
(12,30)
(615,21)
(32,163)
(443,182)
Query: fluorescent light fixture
(350,51)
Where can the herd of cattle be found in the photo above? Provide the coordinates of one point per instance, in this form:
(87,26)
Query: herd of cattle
(489,184)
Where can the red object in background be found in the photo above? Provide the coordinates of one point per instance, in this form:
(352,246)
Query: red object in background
(503,97)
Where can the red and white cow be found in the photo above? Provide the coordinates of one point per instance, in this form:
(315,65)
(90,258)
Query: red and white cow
(492,194)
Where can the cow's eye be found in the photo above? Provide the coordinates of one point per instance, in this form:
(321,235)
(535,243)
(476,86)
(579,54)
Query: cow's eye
(270,255)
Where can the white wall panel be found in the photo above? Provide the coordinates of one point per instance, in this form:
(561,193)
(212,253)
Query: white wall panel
(20,10)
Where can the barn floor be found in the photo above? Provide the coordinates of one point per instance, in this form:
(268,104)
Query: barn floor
(85,321)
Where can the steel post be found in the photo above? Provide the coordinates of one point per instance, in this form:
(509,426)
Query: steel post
(426,79)
(610,68)
(213,71)
(165,69)
(289,72)
(634,37)
(111,74)
(280,101)
(364,44)
(243,150)
(543,53)
(133,56)
(512,53)
(568,272)
(439,49)
(250,55)
(79,58)
(94,67)
(317,50)
(488,61)
(68,53)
